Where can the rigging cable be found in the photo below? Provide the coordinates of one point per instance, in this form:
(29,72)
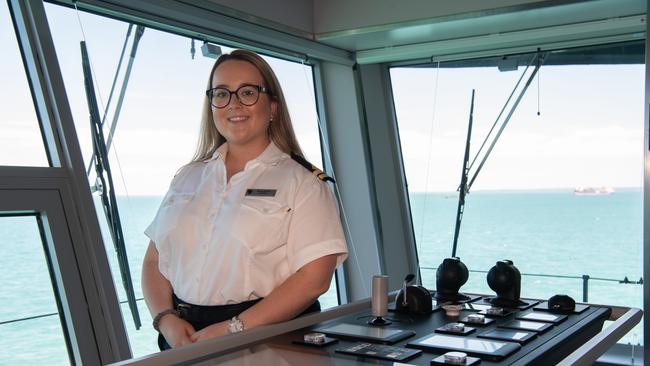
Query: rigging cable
(102,167)
(117,72)
(539,73)
(501,113)
(110,95)
(139,31)
(325,146)
(113,125)
(125,81)
(464,187)
(92,68)
(136,41)
(107,191)
(539,58)
(428,167)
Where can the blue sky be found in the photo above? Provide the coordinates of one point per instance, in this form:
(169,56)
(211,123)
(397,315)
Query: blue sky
(589,133)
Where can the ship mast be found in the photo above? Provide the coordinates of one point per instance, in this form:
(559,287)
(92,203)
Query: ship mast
(464,187)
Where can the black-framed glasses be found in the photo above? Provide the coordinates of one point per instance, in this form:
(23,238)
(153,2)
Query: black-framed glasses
(247,95)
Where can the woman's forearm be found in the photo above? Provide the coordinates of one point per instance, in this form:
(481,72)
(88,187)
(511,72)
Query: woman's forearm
(158,295)
(156,288)
(295,295)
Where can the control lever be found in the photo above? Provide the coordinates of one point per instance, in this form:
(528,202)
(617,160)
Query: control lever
(413,298)
(407,281)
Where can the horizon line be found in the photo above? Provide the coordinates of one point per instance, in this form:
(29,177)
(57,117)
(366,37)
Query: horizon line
(554,189)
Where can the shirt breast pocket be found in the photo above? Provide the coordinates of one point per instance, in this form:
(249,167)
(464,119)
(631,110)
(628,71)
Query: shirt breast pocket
(176,216)
(263,224)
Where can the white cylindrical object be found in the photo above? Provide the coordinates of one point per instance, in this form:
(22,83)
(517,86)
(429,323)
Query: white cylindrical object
(379,295)
(455,358)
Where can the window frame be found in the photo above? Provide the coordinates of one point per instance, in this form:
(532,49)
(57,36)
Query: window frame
(47,206)
(93,317)
(645,189)
(66,175)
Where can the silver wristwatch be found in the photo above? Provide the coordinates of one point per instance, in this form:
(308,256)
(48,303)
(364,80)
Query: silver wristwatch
(235,325)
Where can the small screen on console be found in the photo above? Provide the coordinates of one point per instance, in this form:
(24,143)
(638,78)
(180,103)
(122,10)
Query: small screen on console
(367,332)
(526,325)
(543,317)
(488,349)
(469,344)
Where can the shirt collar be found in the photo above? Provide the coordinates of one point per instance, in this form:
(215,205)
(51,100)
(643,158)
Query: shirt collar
(271,155)
(220,152)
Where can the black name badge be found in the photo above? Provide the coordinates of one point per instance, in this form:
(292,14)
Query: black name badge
(257,192)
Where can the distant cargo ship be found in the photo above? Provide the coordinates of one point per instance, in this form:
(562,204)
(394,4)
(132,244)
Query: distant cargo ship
(593,191)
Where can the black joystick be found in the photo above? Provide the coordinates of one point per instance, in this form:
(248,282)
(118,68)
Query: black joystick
(504,278)
(450,276)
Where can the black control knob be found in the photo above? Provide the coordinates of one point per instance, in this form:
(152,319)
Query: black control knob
(504,278)
(450,276)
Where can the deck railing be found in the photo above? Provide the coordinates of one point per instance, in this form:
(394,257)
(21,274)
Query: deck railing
(585,279)
(585,288)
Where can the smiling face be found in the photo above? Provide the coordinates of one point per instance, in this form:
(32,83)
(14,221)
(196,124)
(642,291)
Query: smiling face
(242,126)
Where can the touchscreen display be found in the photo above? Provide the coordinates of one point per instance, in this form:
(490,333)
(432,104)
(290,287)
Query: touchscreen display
(380,351)
(468,344)
(493,350)
(361,331)
(544,317)
(526,325)
(510,334)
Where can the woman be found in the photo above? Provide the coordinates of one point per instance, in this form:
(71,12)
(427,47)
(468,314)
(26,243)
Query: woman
(246,236)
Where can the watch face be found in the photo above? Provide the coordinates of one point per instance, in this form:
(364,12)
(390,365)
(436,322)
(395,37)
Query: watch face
(235,325)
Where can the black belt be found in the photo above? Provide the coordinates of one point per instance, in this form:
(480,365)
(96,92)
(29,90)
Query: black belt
(201,316)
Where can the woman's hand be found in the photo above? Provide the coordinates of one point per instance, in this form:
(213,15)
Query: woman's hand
(177,332)
(212,331)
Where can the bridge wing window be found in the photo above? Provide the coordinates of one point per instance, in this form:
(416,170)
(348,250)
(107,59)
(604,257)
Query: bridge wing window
(32,320)
(157,128)
(561,192)
(20,140)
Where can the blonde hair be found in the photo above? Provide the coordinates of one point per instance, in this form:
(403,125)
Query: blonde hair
(280,130)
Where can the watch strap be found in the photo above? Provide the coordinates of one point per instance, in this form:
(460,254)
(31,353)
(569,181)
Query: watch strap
(159,316)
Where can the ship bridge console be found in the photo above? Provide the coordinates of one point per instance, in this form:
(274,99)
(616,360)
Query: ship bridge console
(530,335)
(346,55)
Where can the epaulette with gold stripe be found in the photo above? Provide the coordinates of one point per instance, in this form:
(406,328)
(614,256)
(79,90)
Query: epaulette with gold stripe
(314,170)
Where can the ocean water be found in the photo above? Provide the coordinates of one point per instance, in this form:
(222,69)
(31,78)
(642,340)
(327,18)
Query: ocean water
(544,232)
(554,233)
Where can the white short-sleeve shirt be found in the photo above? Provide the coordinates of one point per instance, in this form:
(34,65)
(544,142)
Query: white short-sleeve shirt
(225,242)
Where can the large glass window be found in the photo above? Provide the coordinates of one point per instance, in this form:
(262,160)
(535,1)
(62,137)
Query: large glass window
(560,195)
(158,125)
(31,318)
(20,140)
